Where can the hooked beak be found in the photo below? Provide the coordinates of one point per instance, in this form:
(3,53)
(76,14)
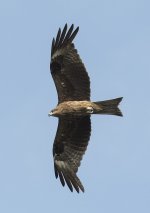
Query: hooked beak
(50,114)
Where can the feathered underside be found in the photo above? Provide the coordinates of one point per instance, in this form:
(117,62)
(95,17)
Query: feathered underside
(69,146)
(69,73)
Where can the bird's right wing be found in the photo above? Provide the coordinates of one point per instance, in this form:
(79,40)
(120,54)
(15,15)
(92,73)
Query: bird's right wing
(69,73)
(69,146)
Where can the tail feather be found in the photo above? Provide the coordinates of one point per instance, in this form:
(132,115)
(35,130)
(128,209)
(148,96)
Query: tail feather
(109,107)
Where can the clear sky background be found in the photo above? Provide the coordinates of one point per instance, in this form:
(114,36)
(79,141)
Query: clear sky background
(114,44)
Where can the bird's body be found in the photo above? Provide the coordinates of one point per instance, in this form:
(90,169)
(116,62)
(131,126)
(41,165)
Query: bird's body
(83,108)
(74,108)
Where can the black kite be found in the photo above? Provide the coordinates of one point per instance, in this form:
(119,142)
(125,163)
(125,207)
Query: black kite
(74,108)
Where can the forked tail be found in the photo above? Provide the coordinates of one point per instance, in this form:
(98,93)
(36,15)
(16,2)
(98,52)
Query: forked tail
(109,107)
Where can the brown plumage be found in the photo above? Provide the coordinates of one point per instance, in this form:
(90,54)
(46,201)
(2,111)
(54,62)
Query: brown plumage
(68,71)
(74,108)
(69,146)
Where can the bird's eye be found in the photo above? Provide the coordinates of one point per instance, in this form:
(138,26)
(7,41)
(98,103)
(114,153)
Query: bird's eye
(90,110)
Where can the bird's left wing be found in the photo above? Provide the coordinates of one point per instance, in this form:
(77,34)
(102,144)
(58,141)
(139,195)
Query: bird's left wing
(70,144)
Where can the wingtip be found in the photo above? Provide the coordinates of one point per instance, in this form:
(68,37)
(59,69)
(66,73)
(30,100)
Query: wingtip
(64,37)
(59,30)
(66,26)
(77,28)
(72,26)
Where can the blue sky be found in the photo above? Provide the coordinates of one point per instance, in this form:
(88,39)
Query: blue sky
(114,44)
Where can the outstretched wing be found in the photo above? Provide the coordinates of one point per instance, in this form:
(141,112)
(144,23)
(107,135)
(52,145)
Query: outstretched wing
(69,73)
(69,146)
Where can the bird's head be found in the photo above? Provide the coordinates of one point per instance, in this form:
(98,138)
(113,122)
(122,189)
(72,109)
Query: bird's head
(57,112)
(53,112)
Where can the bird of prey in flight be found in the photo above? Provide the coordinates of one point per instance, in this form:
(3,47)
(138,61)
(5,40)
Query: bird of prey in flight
(74,108)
